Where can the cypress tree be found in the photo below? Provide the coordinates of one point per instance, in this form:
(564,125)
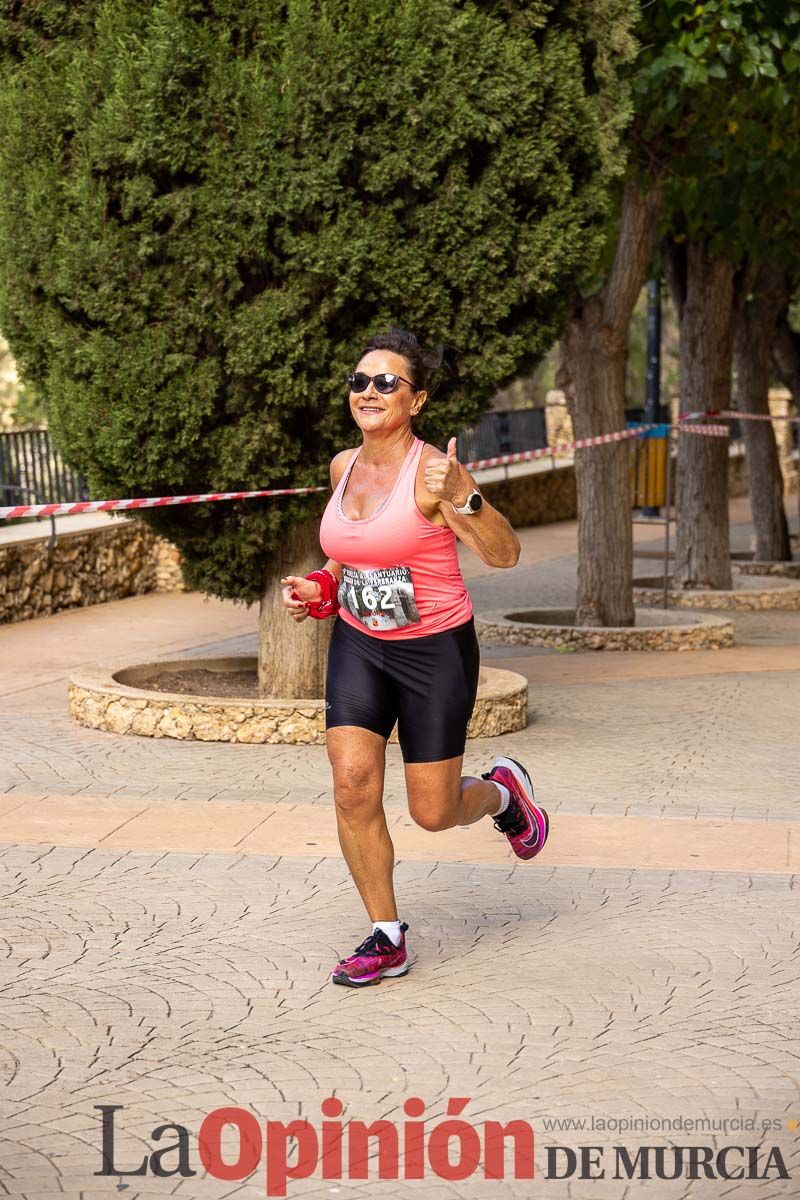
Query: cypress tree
(206,209)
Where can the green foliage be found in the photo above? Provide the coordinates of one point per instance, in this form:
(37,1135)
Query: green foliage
(206,209)
(717,91)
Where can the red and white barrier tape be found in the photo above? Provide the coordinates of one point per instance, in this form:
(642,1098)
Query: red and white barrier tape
(729,415)
(93,506)
(737,416)
(602,439)
(499,460)
(706,430)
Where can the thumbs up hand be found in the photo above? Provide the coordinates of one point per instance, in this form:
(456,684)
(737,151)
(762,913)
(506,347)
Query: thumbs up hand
(446,478)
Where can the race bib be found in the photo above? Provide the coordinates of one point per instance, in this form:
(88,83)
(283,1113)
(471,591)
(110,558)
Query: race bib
(382,599)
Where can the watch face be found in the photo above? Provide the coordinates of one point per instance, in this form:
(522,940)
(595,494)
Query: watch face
(475,501)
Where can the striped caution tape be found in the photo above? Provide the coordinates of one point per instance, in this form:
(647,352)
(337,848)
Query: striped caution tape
(14,512)
(601,439)
(93,506)
(737,416)
(706,430)
(728,414)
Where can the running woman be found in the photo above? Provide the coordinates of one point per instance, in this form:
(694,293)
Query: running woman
(404,647)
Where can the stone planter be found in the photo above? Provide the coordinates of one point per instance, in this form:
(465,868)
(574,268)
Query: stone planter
(655,629)
(750,593)
(746,565)
(107,697)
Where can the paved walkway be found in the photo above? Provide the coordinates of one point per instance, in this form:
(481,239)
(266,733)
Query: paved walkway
(172,911)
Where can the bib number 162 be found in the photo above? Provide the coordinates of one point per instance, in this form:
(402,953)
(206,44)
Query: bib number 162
(373,598)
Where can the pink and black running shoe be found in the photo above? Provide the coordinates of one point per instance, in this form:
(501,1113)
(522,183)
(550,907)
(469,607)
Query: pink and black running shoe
(525,824)
(375,957)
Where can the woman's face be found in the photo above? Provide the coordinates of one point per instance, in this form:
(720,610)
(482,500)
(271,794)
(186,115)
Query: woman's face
(374,412)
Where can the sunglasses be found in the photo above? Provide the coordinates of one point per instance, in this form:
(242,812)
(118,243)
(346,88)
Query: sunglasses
(385,383)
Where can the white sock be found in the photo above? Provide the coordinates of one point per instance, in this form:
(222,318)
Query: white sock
(390,928)
(505,797)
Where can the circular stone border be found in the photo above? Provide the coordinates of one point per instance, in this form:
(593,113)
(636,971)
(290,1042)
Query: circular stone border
(684,632)
(105,696)
(783,570)
(747,597)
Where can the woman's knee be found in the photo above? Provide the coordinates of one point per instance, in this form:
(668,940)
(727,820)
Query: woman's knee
(435,810)
(434,794)
(355,753)
(357,782)
(433,817)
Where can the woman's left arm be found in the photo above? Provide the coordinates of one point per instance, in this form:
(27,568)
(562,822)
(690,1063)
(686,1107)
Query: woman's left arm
(487,532)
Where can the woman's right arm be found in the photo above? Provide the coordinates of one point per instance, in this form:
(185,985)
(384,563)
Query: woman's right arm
(308,591)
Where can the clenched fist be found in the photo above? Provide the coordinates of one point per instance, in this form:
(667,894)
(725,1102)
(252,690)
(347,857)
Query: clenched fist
(298,593)
(446,478)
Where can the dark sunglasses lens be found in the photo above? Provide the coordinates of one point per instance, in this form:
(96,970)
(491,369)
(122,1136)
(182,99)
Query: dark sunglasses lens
(359,382)
(386,383)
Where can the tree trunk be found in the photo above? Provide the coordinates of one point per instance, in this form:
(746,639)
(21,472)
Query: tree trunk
(592,374)
(595,393)
(702,285)
(292,656)
(754,328)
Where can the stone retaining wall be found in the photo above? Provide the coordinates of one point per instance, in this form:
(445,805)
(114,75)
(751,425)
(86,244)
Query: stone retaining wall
(549,496)
(169,577)
(535,499)
(124,559)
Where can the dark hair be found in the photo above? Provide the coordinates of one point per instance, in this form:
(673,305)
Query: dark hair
(423,364)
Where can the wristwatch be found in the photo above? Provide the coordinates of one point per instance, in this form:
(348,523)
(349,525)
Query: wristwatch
(471,505)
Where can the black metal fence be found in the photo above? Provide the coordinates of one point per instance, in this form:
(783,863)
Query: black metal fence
(503,433)
(32,471)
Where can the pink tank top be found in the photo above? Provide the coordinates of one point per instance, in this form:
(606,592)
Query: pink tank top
(394,542)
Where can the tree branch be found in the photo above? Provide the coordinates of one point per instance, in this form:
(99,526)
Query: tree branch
(638,219)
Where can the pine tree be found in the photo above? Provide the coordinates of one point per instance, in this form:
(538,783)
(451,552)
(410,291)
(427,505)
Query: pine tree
(206,209)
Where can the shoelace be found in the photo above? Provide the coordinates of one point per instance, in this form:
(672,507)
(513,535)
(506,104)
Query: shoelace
(371,945)
(513,820)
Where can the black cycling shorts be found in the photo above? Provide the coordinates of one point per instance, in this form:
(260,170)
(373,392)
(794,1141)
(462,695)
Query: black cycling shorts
(427,685)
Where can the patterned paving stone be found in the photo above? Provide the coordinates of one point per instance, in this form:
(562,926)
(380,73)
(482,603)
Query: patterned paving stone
(171,984)
(715,746)
(175,983)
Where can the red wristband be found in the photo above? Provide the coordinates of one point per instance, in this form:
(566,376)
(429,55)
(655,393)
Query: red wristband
(328,606)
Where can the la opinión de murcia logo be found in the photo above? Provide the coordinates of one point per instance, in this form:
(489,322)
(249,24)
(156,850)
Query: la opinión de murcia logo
(451,1149)
(666,1162)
